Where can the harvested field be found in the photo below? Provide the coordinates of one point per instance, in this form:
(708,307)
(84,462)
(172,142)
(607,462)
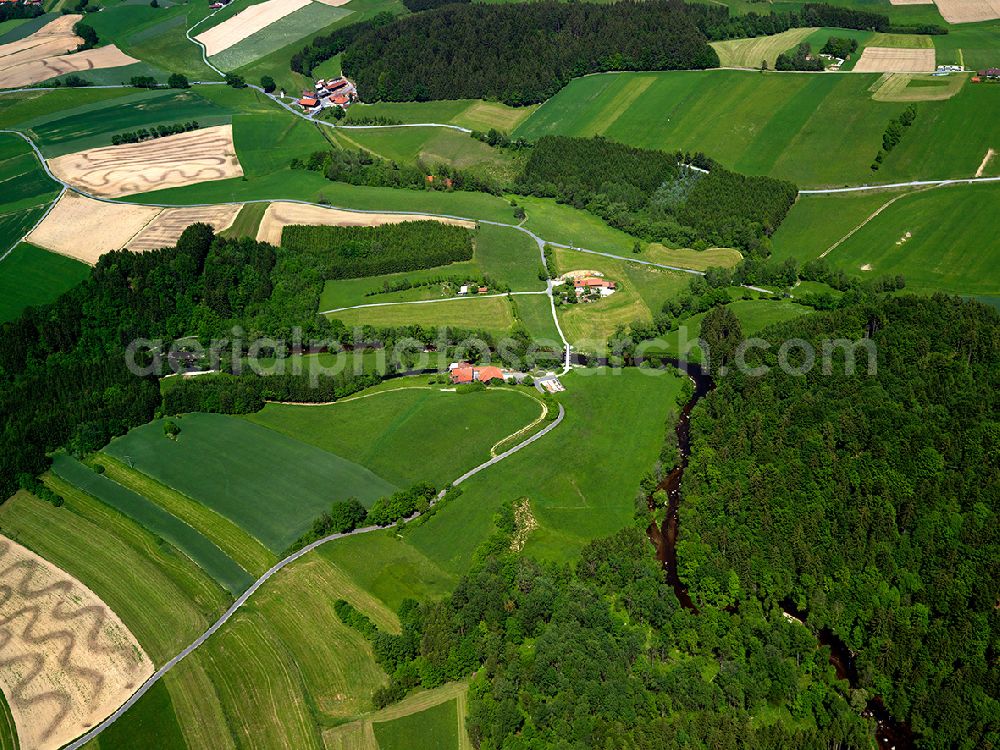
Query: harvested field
(334,3)
(53,39)
(968,11)
(67,660)
(36,71)
(174,161)
(911,2)
(245,23)
(892,60)
(85,229)
(913,87)
(166,229)
(281,215)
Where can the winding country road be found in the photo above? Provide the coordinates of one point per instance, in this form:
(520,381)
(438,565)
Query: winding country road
(242,599)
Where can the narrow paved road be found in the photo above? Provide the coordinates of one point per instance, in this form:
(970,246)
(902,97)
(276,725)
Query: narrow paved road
(913,183)
(242,599)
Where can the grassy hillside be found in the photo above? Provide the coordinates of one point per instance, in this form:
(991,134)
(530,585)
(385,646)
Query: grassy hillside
(270,485)
(775,124)
(30,275)
(491,314)
(420,434)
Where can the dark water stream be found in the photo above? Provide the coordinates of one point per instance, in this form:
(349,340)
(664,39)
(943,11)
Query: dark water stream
(889,733)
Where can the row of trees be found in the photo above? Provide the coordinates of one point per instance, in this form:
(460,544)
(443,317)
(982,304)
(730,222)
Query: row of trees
(18,10)
(658,195)
(353,252)
(157,131)
(894,133)
(868,500)
(520,54)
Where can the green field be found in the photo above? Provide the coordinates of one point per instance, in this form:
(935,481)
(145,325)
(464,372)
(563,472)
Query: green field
(576,493)
(285,31)
(247,221)
(432,147)
(92,124)
(164,598)
(952,247)
(750,53)
(467,113)
(505,255)
(780,125)
(242,548)
(971,44)
(151,722)
(32,276)
(534,312)
(491,314)
(641,292)
(420,434)
(270,485)
(437,728)
(157,521)
(267,143)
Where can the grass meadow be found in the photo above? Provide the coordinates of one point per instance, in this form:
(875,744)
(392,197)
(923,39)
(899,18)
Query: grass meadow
(436,726)
(247,221)
(749,53)
(269,484)
(416,433)
(641,292)
(267,143)
(30,275)
(474,114)
(243,549)
(163,597)
(576,493)
(780,125)
(491,314)
(534,312)
(156,520)
(504,254)
(151,723)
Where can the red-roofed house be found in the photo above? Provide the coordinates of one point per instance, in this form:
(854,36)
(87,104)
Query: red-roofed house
(308,102)
(604,286)
(466,373)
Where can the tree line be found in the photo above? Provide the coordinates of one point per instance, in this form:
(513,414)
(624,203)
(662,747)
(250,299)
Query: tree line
(354,252)
(156,131)
(19,10)
(324,47)
(868,501)
(894,134)
(519,54)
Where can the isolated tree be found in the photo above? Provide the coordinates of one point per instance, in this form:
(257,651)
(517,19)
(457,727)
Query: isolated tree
(267,83)
(178,81)
(235,81)
(763,66)
(722,333)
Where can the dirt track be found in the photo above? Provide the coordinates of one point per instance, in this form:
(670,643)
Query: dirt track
(245,23)
(280,215)
(174,161)
(66,660)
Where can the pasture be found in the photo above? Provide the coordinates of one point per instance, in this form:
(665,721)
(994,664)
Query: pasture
(32,276)
(414,433)
(91,123)
(576,494)
(437,726)
(267,142)
(641,292)
(243,549)
(23,184)
(504,254)
(160,595)
(534,312)
(780,125)
(158,521)
(750,53)
(269,484)
(493,315)
(474,114)
(939,240)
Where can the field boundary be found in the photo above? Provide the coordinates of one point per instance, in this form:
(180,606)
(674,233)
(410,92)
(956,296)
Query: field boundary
(242,599)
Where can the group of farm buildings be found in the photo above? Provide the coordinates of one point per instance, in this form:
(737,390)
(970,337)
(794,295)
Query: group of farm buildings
(336,92)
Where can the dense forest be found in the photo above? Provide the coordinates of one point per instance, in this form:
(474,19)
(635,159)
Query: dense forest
(868,502)
(717,22)
(659,196)
(520,53)
(323,47)
(601,655)
(353,252)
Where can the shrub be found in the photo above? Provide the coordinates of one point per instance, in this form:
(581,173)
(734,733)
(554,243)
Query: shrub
(178,81)
(267,83)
